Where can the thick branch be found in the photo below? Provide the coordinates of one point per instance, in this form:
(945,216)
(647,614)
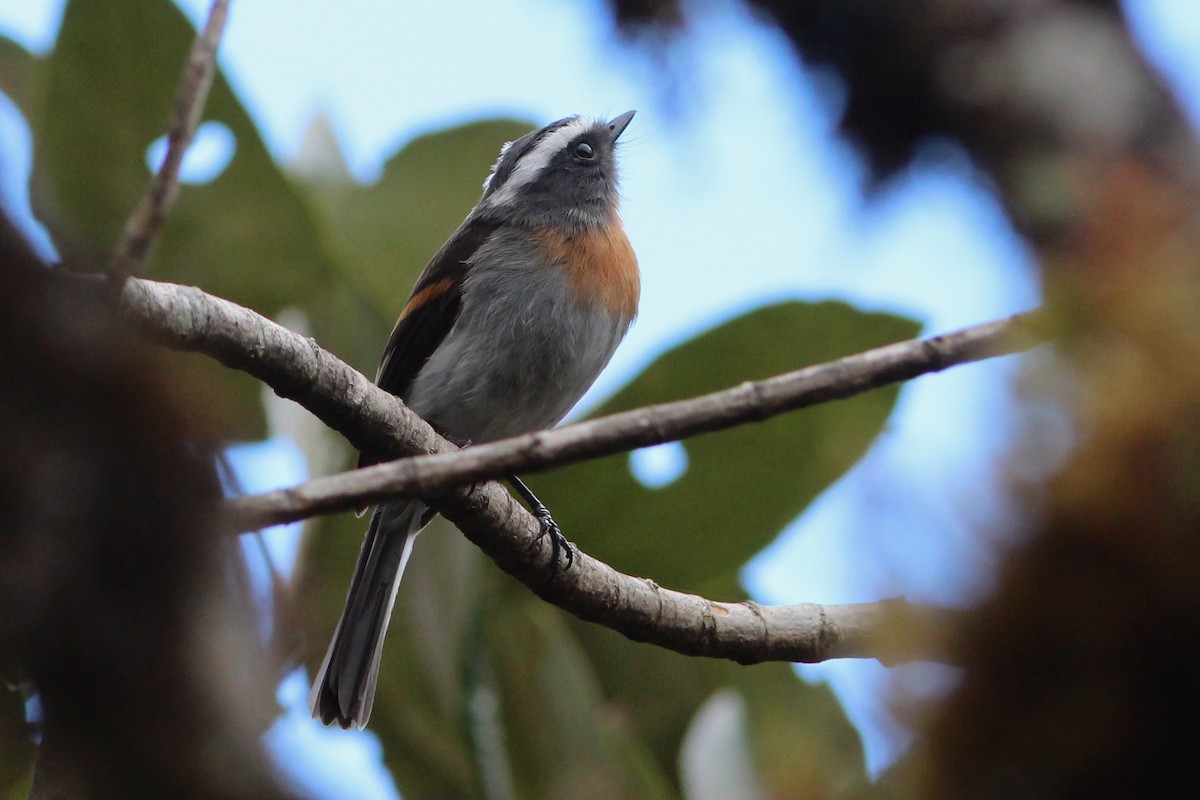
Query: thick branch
(749,402)
(143,225)
(892,630)
(295,367)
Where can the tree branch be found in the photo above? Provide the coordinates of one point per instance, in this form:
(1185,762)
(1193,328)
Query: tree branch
(641,610)
(143,225)
(295,367)
(186,318)
(535,452)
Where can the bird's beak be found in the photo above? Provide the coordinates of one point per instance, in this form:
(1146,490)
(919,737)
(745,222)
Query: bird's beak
(618,124)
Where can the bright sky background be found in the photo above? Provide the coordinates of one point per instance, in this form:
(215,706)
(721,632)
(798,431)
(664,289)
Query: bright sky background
(718,180)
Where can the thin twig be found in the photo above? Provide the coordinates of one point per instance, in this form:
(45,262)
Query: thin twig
(143,225)
(425,475)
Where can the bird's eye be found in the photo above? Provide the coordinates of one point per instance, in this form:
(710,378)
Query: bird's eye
(584,151)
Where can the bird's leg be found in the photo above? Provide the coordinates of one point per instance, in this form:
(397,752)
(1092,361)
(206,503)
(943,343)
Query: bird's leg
(558,542)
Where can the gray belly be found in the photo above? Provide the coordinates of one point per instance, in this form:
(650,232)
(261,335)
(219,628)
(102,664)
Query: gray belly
(522,353)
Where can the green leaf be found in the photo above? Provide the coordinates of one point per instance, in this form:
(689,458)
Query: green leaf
(804,745)
(799,733)
(19,69)
(564,738)
(740,489)
(741,486)
(102,97)
(110,89)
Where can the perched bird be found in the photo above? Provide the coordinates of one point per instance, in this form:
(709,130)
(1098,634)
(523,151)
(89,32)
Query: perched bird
(506,328)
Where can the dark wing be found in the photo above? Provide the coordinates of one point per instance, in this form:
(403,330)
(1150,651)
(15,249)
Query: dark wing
(430,313)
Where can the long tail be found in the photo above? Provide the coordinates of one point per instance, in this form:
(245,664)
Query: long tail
(344,689)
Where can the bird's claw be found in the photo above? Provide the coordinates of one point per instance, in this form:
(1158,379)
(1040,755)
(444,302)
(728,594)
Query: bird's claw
(558,542)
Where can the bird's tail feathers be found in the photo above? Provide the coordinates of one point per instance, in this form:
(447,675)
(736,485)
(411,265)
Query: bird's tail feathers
(344,689)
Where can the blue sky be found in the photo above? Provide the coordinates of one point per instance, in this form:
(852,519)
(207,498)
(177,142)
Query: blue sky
(718,179)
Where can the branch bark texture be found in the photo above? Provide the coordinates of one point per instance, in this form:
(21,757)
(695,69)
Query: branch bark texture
(186,318)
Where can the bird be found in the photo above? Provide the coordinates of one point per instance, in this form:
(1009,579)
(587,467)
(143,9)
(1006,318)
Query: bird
(508,325)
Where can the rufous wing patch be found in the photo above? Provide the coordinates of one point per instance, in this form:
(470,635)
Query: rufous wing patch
(426,295)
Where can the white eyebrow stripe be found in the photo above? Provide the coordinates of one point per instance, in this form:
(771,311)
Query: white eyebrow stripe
(533,162)
(488,180)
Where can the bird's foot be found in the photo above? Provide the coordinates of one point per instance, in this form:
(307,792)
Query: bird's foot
(559,546)
(558,543)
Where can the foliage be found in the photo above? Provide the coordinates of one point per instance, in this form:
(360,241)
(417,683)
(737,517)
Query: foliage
(486,689)
(15,743)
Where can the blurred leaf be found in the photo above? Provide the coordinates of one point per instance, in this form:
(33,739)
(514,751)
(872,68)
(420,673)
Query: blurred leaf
(107,92)
(18,70)
(564,739)
(908,777)
(17,750)
(110,91)
(740,489)
(741,486)
(804,746)
(715,762)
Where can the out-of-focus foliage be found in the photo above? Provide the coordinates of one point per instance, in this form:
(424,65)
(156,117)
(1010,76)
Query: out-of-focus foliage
(741,486)
(486,689)
(1078,667)
(106,92)
(94,106)
(17,70)
(16,744)
(115,602)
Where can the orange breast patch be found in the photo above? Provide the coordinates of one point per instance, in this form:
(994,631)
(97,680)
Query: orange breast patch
(601,263)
